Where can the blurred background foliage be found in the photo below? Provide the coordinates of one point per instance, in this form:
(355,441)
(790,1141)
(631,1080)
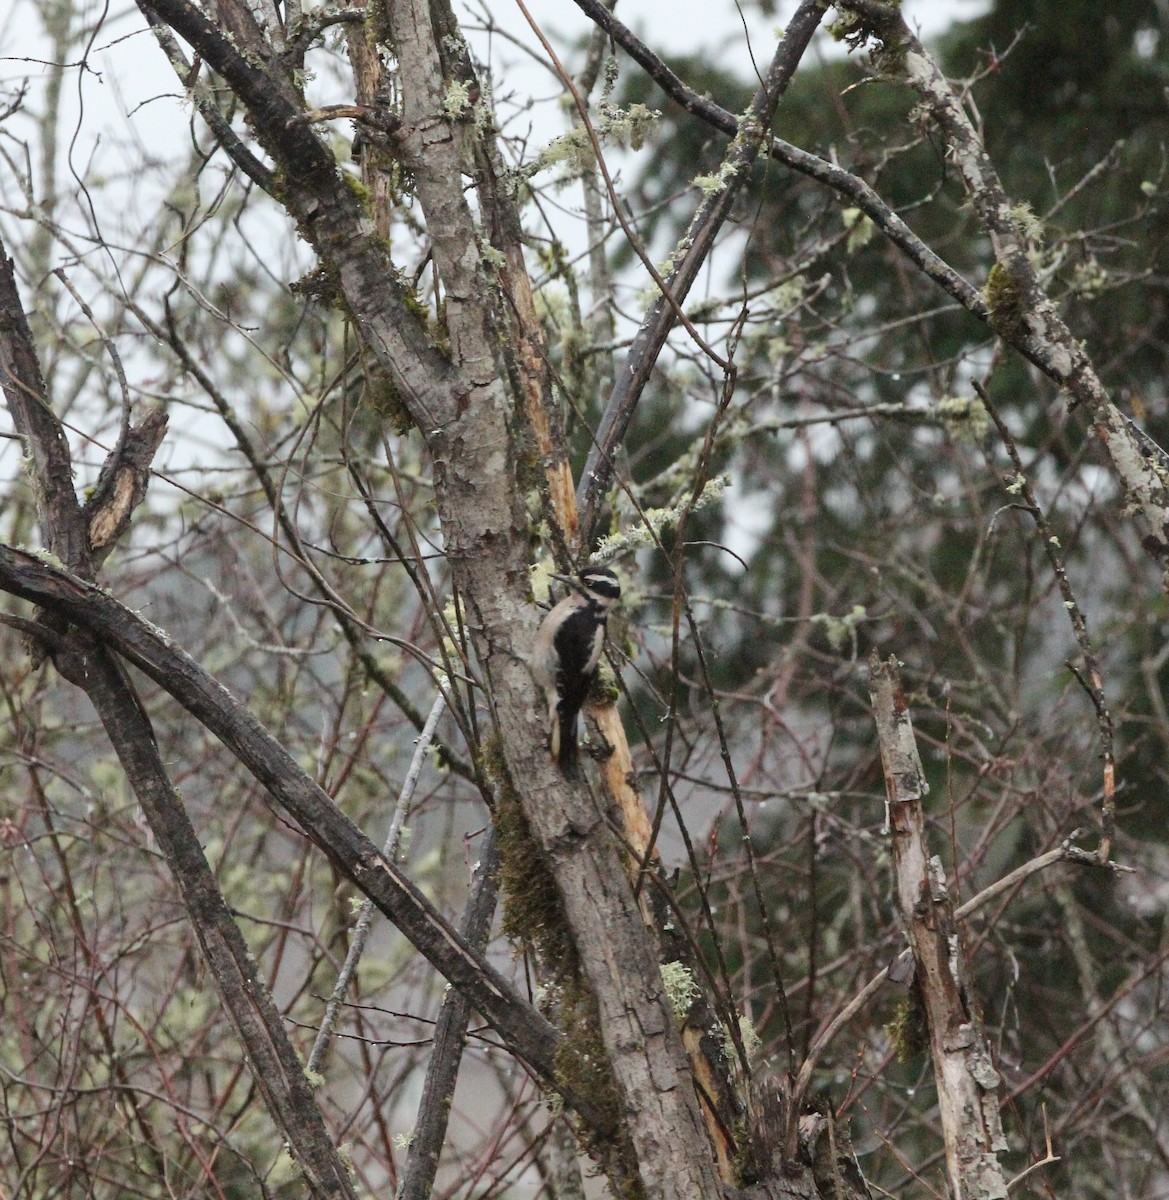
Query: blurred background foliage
(902,533)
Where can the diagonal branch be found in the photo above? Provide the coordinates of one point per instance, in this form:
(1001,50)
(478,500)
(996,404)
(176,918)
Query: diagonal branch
(204,101)
(844,183)
(850,186)
(45,447)
(275,1065)
(364,922)
(752,134)
(527,1033)
(1021,312)
(328,213)
(1094,681)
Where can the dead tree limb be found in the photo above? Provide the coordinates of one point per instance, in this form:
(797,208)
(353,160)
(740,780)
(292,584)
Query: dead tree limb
(966,1078)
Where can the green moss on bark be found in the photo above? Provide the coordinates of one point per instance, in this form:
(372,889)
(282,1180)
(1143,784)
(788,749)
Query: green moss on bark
(533,918)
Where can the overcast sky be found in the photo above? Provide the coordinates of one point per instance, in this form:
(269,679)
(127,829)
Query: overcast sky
(131,92)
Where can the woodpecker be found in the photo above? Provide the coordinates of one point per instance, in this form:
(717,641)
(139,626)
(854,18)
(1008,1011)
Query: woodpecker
(568,647)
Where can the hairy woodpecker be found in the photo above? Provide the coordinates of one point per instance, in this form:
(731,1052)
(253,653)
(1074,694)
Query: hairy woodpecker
(568,647)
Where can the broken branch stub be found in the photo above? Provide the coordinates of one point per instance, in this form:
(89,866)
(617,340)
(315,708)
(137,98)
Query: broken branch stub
(965,1075)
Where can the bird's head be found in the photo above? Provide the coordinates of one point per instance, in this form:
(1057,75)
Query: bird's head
(598,584)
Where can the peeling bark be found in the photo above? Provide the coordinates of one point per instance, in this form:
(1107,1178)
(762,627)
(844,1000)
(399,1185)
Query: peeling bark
(964,1072)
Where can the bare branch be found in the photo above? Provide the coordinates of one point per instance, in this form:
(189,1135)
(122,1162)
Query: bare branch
(434,1108)
(694,249)
(846,184)
(227,138)
(1020,310)
(44,441)
(329,214)
(526,1032)
(1093,683)
(316,1058)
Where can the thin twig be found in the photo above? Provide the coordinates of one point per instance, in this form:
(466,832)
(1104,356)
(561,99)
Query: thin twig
(1046,1161)
(1092,682)
(220,128)
(838,1022)
(666,287)
(361,929)
(682,603)
(450,1034)
(694,249)
(111,350)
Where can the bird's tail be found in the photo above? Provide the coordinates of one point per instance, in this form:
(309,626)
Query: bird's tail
(564,747)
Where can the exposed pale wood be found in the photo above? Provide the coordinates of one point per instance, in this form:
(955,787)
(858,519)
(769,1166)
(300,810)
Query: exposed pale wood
(964,1072)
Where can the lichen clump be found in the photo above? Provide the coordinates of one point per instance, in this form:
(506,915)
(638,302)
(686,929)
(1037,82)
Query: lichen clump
(626,127)
(965,418)
(681,989)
